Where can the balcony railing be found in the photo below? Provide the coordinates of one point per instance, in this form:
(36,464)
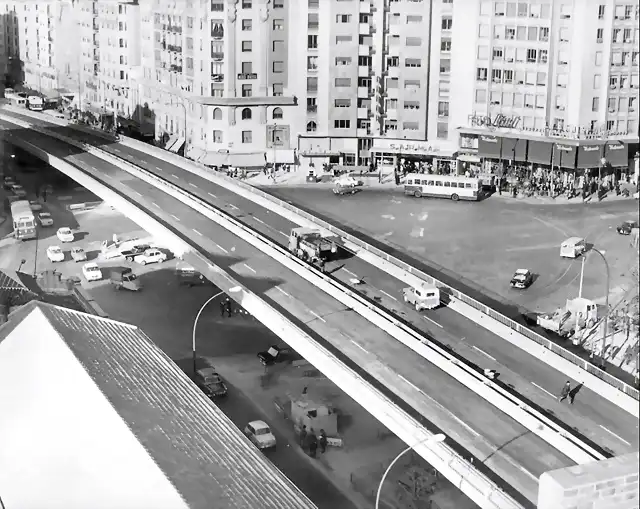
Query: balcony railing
(312,108)
(175,68)
(217,56)
(217,77)
(175,49)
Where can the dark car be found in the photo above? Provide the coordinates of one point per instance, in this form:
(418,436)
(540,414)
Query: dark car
(626,227)
(522,279)
(210,383)
(130,254)
(276,354)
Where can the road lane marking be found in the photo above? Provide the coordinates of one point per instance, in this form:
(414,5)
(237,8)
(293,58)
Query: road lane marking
(483,353)
(432,321)
(221,248)
(196,231)
(251,269)
(192,184)
(137,193)
(175,217)
(233,206)
(612,433)
(388,295)
(544,390)
(551,225)
(317,316)
(158,168)
(524,470)
(283,233)
(360,347)
(212,195)
(408,382)
(282,291)
(259,220)
(350,273)
(117,150)
(155,204)
(174,176)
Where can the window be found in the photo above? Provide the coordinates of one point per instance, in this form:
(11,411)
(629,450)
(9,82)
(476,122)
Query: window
(481,74)
(312,104)
(311,127)
(247,90)
(599,35)
(246,4)
(246,114)
(413,41)
(532,34)
(543,34)
(562,80)
(496,75)
(312,20)
(278,4)
(217,136)
(312,84)
(543,55)
(481,96)
(445,65)
(277,113)
(497,53)
(342,103)
(247,25)
(595,104)
(507,76)
(483,31)
(443,109)
(413,19)
(563,57)
(412,85)
(410,126)
(247,67)
(277,46)
(541,79)
(247,137)
(343,60)
(343,82)
(412,62)
(312,63)
(278,89)
(343,38)
(247,46)
(343,18)
(510,33)
(612,104)
(613,82)
(411,105)
(598,58)
(596,81)
(564,34)
(523,10)
(532,55)
(445,44)
(447,23)
(565,11)
(483,52)
(278,66)
(342,124)
(601,15)
(442,131)
(217,114)
(278,24)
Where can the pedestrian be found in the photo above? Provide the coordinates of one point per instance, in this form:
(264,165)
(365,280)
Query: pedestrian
(223,307)
(323,441)
(321,263)
(564,394)
(574,392)
(313,443)
(303,436)
(229,306)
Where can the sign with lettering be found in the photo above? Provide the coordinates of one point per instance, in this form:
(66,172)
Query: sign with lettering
(499,121)
(247,76)
(413,147)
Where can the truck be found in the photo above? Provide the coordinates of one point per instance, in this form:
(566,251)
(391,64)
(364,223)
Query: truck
(423,296)
(277,354)
(35,103)
(130,254)
(123,278)
(577,313)
(308,244)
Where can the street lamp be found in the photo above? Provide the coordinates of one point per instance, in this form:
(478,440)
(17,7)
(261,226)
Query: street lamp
(195,322)
(429,440)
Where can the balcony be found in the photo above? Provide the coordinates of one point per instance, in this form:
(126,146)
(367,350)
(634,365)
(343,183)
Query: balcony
(365,29)
(174,49)
(364,71)
(217,77)
(362,132)
(312,108)
(364,51)
(365,7)
(175,68)
(391,114)
(176,30)
(393,72)
(218,57)
(364,93)
(363,113)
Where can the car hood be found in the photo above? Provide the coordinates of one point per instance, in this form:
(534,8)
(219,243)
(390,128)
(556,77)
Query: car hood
(265,439)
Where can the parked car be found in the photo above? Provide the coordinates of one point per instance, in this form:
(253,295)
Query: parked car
(65,234)
(341,189)
(210,382)
(18,190)
(346,180)
(36,206)
(276,354)
(78,254)
(45,219)
(91,271)
(8,182)
(124,278)
(522,279)
(150,256)
(55,254)
(626,227)
(260,434)
(130,254)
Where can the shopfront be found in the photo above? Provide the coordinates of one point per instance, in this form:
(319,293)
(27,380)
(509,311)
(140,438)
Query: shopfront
(413,155)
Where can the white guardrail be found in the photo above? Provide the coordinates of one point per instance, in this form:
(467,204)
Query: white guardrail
(476,485)
(596,379)
(536,422)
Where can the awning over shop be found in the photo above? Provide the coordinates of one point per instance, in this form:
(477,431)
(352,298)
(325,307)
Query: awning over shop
(589,156)
(215,159)
(564,156)
(254,160)
(177,145)
(514,149)
(195,154)
(539,152)
(282,156)
(171,141)
(469,158)
(616,154)
(489,146)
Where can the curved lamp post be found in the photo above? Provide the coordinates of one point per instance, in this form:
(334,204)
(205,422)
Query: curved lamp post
(432,439)
(195,322)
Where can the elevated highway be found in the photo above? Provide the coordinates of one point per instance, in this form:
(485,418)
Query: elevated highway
(492,437)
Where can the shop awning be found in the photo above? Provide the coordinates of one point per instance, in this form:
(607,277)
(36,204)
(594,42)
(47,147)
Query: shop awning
(171,141)
(469,158)
(177,145)
(617,154)
(514,149)
(215,159)
(195,154)
(564,156)
(489,146)
(539,152)
(589,156)
(253,160)
(282,156)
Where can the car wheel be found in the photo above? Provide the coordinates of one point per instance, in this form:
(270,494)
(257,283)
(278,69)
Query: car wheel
(455,197)
(417,194)
(417,307)
(143,262)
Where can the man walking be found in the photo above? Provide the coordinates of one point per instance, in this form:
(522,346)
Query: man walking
(223,307)
(303,436)
(323,441)
(564,394)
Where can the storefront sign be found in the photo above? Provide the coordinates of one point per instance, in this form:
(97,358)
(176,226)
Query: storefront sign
(489,146)
(564,156)
(589,156)
(405,148)
(582,132)
(499,121)
(617,154)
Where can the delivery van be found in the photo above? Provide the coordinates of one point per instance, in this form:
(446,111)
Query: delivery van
(573,247)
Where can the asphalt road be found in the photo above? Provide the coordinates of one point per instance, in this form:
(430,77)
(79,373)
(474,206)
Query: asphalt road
(594,417)
(495,439)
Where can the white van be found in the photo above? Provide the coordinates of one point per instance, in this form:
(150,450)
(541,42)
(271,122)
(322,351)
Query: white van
(573,247)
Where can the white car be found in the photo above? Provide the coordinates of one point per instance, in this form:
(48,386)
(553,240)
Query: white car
(151,256)
(347,181)
(91,272)
(260,434)
(18,190)
(35,205)
(45,219)
(78,254)
(55,254)
(65,234)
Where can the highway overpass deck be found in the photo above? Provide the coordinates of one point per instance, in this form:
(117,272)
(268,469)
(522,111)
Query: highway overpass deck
(594,416)
(515,454)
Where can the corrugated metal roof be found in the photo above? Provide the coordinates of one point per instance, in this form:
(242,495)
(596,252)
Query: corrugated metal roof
(13,289)
(199,449)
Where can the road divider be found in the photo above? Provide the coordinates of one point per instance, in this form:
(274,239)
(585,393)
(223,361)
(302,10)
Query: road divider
(544,427)
(475,484)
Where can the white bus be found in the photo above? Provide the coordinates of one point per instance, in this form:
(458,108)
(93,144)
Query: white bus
(24,222)
(35,103)
(443,186)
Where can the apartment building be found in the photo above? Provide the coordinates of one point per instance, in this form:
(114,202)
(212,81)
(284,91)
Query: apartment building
(10,67)
(87,26)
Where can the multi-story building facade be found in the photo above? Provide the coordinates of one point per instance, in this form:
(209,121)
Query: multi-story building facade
(87,30)
(10,51)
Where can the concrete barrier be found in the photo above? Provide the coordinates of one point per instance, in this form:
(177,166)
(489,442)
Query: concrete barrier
(88,303)
(477,486)
(596,379)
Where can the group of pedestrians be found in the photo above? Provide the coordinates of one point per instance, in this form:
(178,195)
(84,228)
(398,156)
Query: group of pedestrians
(569,392)
(310,442)
(226,306)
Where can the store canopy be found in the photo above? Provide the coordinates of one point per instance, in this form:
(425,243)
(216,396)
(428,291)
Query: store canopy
(468,158)
(589,156)
(215,159)
(177,145)
(254,160)
(539,152)
(489,146)
(195,154)
(514,149)
(171,141)
(564,156)
(282,156)
(617,154)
